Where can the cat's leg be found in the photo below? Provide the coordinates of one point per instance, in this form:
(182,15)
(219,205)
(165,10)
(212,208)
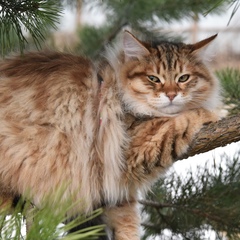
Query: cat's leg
(157,143)
(124,221)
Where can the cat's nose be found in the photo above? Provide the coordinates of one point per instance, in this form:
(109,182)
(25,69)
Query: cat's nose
(171,95)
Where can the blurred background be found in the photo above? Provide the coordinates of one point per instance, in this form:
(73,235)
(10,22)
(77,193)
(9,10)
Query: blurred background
(91,20)
(86,27)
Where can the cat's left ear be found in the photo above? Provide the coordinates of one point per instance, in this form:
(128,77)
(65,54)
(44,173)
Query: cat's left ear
(132,47)
(202,44)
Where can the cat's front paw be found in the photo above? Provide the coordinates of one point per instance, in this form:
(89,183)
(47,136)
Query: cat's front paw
(187,125)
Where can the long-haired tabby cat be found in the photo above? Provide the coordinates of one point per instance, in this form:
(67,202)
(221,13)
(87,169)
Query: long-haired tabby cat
(106,130)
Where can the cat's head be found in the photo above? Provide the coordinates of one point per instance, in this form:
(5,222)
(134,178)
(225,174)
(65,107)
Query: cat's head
(165,79)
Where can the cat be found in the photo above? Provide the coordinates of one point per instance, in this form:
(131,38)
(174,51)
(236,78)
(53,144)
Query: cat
(106,129)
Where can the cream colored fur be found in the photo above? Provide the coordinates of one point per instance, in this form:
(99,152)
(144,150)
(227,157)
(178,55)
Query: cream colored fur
(102,141)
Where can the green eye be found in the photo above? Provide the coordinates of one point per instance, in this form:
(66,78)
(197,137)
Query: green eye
(184,78)
(154,79)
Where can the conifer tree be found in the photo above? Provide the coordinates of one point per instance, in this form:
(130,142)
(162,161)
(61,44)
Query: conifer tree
(143,16)
(19,18)
(190,206)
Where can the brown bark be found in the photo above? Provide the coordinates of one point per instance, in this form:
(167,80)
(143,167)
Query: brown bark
(215,135)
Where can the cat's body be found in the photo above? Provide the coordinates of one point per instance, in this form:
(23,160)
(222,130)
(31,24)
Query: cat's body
(67,122)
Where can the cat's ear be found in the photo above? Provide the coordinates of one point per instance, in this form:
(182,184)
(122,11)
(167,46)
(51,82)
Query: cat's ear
(132,47)
(202,44)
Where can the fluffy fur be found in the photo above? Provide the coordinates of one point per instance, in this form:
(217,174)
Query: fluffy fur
(93,128)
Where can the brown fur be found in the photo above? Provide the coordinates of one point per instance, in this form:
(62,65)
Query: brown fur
(60,126)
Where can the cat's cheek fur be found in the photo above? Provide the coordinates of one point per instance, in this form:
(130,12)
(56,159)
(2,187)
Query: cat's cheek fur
(214,101)
(138,108)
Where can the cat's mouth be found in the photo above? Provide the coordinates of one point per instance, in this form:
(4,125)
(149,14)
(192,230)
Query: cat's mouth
(166,107)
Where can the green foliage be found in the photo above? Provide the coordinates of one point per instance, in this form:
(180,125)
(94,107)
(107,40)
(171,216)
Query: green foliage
(230,79)
(206,200)
(236,4)
(143,16)
(92,40)
(47,223)
(19,18)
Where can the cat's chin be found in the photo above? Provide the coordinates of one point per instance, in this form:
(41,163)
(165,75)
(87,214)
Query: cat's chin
(141,111)
(163,114)
(170,111)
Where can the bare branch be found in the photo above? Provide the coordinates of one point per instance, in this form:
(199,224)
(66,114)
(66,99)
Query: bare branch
(215,135)
(155,204)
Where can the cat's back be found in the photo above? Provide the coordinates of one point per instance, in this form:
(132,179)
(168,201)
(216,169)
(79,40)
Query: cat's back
(47,107)
(37,68)
(45,86)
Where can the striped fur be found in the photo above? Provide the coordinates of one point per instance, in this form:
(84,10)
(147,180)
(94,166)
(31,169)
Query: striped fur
(102,141)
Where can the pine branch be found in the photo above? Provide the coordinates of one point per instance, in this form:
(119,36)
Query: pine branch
(215,135)
(195,202)
(199,212)
(20,16)
(155,204)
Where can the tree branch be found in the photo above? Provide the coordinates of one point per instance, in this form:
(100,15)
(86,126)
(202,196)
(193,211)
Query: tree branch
(215,135)
(190,209)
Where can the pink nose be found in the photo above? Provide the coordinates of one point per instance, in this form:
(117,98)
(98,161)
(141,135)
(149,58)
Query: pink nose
(171,95)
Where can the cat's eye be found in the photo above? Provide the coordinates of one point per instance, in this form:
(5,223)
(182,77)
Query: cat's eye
(154,79)
(184,78)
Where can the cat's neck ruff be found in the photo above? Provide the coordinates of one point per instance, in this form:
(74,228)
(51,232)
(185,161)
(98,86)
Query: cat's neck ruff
(112,137)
